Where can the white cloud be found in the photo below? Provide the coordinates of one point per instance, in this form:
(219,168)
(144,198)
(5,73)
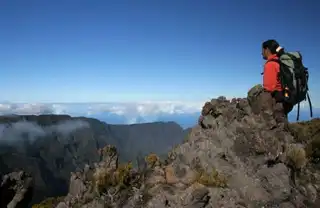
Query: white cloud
(14,132)
(132,112)
(147,108)
(147,111)
(29,108)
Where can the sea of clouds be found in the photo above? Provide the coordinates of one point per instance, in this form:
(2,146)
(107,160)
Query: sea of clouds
(113,112)
(137,108)
(14,131)
(131,111)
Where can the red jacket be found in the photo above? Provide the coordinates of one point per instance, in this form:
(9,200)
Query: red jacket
(270,75)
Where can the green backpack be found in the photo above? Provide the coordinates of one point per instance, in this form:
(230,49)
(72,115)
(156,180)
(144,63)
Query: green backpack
(294,77)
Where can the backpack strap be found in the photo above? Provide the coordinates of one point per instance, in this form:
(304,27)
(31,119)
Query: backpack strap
(310,105)
(298,111)
(298,94)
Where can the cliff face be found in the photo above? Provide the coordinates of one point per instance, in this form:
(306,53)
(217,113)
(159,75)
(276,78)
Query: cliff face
(49,147)
(139,139)
(235,158)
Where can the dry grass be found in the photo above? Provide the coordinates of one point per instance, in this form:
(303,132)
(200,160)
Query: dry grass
(152,159)
(49,202)
(104,178)
(313,150)
(308,133)
(123,174)
(109,150)
(213,179)
(305,131)
(296,156)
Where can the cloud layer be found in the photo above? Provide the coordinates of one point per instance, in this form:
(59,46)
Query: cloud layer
(30,108)
(141,109)
(126,112)
(19,130)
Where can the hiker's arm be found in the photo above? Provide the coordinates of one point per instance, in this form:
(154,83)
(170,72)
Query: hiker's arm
(270,76)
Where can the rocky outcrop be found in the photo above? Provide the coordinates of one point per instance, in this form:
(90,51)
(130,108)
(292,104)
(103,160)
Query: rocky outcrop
(240,155)
(16,190)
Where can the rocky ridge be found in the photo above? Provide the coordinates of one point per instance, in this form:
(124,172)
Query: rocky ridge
(238,156)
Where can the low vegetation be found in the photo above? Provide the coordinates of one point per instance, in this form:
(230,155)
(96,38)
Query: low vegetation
(120,178)
(313,150)
(212,179)
(186,137)
(152,160)
(296,157)
(108,150)
(306,131)
(49,202)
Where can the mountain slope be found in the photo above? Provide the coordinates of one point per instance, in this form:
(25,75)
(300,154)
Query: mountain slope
(235,158)
(148,137)
(51,146)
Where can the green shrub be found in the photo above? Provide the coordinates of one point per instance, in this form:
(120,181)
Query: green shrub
(313,150)
(104,178)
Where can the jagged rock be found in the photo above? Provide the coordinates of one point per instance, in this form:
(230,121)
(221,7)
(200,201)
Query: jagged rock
(77,185)
(240,155)
(157,176)
(16,190)
(196,197)
(62,205)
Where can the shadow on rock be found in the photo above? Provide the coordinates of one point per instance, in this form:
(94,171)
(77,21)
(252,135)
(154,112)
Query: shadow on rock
(240,155)
(16,190)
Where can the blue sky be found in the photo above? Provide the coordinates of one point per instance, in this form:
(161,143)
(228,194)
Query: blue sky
(99,51)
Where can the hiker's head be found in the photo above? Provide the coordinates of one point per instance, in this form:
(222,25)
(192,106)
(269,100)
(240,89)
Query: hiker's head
(270,47)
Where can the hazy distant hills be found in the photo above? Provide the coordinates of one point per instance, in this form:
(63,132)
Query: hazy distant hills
(185,120)
(184,113)
(304,114)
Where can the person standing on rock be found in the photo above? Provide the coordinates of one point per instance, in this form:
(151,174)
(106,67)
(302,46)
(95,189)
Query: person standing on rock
(285,76)
(285,84)
(273,95)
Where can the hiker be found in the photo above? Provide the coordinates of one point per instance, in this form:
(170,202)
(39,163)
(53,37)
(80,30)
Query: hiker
(271,97)
(285,80)
(285,84)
